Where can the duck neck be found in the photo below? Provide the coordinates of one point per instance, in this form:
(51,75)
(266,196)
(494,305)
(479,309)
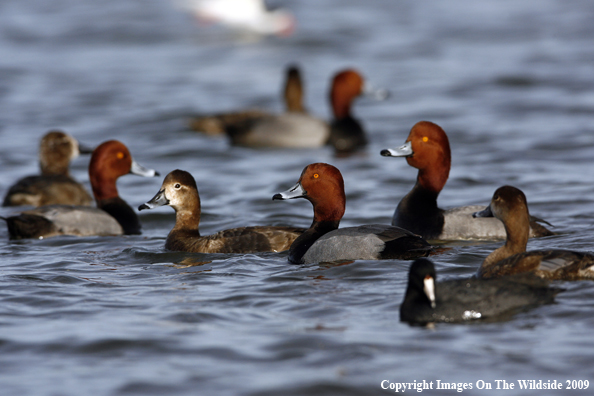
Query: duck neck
(307,239)
(517,228)
(418,213)
(433,178)
(54,165)
(341,105)
(104,186)
(187,217)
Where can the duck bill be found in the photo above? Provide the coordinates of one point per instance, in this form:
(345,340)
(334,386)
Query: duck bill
(84,149)
(137,169)
(429,289)
(375,93)
(403,151)
(158,200)
(487,212)
(294,192)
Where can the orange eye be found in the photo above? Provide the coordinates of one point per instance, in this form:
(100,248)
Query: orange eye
(316,175)
(120,155)
(425,139)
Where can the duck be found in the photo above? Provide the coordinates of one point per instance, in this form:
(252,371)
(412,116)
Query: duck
(295,128)
(54,185)
(112,216)
(427,148)
(220,123)
(468,300)
(509,205)
(344,134)
(322,184)
(179,190)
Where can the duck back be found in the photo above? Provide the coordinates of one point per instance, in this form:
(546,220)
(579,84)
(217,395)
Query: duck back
(235,240)
(367,242)
(52,220)
(551,264)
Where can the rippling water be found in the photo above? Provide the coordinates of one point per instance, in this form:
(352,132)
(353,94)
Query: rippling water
(512,84)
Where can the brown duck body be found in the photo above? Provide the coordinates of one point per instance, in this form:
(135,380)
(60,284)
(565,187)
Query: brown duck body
(179,191)
(235,240)
(510,206)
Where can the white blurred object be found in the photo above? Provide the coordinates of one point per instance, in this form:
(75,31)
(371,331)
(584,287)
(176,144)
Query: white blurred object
(247,15)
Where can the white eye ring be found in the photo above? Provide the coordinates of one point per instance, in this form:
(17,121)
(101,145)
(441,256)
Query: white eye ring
(177,186)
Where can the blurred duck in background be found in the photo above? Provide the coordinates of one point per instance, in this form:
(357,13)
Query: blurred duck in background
(54,185)
(220,123)
(296,128)
(112,216)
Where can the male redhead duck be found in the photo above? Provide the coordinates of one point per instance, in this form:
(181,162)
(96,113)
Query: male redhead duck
(112,216)
(179,191)
(509,205)
(464,300)
(221,123)
(54,185)
(427,148)
(323,186)
(297,130)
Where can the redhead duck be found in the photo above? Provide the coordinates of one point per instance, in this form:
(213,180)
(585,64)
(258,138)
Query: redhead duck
(427,148)
(54,185)
(296,130)
(240,120)
(113,216)
(249,16)
(510,206)
(323,186)
(179,191)
(346,133)
(464,300)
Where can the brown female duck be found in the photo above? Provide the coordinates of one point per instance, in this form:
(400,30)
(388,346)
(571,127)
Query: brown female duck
(179,191)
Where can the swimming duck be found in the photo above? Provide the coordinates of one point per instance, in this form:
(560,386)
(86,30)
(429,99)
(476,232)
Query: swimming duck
(294,129)
(510,206)
(113,216)
(464,300)
(179,191)
(54,185)
(323,186)
(242,120)
(427,148)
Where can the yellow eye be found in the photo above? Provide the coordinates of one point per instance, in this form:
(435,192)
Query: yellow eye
(425,139)
(316,175)
(120,155)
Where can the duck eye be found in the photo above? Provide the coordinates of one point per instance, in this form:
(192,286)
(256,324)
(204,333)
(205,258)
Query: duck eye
(177,186)
(120,155)
(316,175)
(425,139)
